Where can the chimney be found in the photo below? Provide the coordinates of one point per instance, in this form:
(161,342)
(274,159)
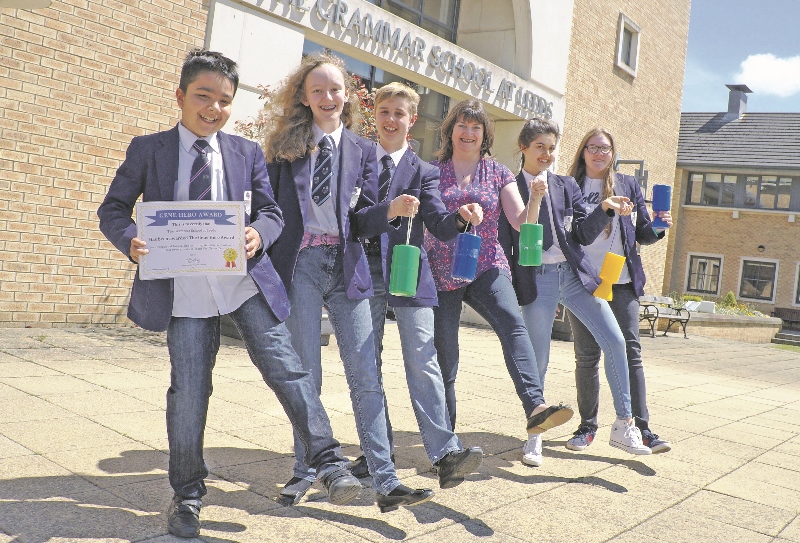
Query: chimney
(737,101)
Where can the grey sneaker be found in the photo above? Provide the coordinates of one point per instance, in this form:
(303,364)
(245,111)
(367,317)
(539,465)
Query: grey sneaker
(582,438)
(656,444)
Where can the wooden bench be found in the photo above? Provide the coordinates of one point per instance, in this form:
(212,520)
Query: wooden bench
(789,316)
(652,308)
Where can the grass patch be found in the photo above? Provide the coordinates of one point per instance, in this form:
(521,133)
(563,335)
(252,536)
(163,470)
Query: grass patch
(793,348)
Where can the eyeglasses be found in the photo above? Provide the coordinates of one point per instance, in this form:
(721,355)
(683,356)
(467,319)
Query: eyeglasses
(602,149)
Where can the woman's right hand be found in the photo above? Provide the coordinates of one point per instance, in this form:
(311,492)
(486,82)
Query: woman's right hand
(621,204)
(471,213)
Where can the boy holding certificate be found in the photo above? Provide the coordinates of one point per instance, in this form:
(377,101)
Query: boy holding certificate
(195,161)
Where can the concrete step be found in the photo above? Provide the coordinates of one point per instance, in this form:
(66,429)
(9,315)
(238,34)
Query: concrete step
(785,341)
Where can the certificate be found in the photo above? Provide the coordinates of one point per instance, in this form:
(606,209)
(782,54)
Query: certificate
(191,238)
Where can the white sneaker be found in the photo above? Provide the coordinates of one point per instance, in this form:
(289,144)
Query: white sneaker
(532,451)
(627,437)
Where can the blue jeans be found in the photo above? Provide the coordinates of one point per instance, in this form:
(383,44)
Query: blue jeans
(193,345)
(625,306)
(558,283)
(319,280)
(377,307)
(492,296)
(423,376)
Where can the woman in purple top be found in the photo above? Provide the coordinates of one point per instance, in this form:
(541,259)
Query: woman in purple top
(469,175)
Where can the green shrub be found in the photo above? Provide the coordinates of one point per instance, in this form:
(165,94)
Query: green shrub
(691,298)
(729,300)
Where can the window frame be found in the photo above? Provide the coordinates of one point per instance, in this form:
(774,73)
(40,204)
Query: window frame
(742,261)
(796,298)
(740,194)
(688,274)
(423,18)
(625,23)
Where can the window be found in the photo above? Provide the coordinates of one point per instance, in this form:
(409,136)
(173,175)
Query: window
(704,274)
(769,192)
(437,16)
(627,45)
(797,285)
(758,280)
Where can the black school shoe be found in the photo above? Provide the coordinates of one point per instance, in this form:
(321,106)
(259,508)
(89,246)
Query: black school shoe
(342,487)
(184,517)
(403,496)
(553,416)
(359,467)
(455,465)
(293,491)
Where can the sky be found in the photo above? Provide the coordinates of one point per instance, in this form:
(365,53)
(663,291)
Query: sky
(755,42)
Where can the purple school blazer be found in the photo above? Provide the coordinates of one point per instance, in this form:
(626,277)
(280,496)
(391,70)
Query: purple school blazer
(150,170)
(564,193)
(416,177)
(357,184)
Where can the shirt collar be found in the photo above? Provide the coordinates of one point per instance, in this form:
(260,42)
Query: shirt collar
(530,177)
(187,139)
(336,134)
(396,156)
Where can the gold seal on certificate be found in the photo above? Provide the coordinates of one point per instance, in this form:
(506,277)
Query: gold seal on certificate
(187,238)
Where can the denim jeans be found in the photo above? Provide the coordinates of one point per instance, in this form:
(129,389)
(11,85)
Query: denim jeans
(625,306)
(423,376)
(319,280)
(492,296)
(558,283)
(377,307)
(193,345)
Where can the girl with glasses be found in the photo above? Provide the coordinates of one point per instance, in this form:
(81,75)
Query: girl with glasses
(593,168)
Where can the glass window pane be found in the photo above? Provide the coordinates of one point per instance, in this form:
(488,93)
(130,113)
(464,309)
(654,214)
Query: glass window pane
(758,280)
(703,274)
(797,282)
(695,188)
(751,191)
(443,11)
(407,14)
(728,192)
(766,196)
(627,41)
(413,4)
(442,32)
(784,193)
(711,189)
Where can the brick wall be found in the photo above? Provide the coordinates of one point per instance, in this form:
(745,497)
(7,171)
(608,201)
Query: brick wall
(642,113)
(77,81)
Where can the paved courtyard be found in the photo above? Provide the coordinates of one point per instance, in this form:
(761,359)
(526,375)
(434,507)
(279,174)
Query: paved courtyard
(83,449)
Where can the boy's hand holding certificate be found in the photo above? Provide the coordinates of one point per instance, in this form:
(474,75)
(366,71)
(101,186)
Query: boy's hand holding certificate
(191,238)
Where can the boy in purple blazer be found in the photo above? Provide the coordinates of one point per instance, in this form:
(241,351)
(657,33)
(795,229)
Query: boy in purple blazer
(195,161)
(403,172)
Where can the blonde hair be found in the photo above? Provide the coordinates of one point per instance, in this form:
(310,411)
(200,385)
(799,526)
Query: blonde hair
(398,90)
(578,169)
(290,132)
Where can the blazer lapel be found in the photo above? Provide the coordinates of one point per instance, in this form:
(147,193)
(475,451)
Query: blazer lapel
(555,191)
(234,166)
(403,174)
(349,166)
(301,174)
(167,164)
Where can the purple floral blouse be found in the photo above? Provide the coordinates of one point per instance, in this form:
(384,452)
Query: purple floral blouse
(485,190)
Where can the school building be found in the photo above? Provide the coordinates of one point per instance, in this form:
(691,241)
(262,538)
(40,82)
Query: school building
(80,78)
(737,205)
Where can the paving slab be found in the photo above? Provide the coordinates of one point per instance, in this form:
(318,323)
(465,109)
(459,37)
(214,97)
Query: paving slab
(83,449)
